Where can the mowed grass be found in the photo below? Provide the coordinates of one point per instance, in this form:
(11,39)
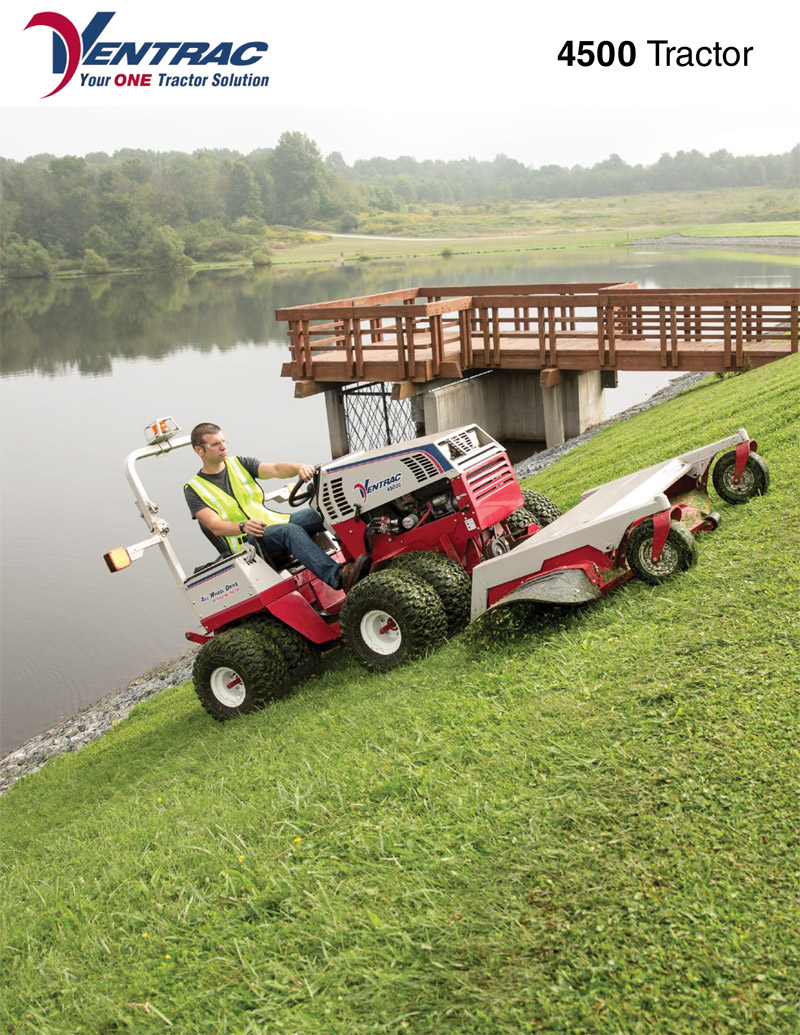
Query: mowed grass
(564,821)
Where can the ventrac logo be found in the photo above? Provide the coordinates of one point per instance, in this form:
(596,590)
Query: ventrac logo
(72,49)
(390,484)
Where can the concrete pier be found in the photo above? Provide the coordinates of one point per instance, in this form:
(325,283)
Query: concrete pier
(527,406)
(547,406)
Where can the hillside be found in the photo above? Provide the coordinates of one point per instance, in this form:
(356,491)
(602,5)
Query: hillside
(563,822)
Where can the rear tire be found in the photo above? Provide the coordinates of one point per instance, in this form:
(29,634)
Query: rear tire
(448,579)
(238,672)
(301,657)
(390,618)
(754,480)
(678,554)
(518,521)
(542,507)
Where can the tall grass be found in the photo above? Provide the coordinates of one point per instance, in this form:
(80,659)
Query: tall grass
(563,822)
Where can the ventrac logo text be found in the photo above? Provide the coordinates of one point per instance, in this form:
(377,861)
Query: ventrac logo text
(72,48)
(390,484)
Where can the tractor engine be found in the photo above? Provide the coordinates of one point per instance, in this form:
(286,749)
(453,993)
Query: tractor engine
(450,493)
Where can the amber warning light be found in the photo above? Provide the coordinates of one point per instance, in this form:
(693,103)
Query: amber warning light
(117,559)
(161,431)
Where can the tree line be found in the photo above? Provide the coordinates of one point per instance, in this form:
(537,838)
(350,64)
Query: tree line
(168,209)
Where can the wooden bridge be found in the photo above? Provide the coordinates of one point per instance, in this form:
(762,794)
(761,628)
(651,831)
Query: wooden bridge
(419,335)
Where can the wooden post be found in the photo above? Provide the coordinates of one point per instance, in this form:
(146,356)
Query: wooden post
(402,368)
(343,330)
(662,331)
(436,343)
(542,337)
(601,334)
(793,326)
(612,335)
(307,363)
(552,334)
(411,358)
(483,313)
(465,338)
(358,346)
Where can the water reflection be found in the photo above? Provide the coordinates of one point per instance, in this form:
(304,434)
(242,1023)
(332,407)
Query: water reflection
(84,324)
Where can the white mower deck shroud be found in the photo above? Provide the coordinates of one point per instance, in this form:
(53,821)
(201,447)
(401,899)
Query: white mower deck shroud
(599,521)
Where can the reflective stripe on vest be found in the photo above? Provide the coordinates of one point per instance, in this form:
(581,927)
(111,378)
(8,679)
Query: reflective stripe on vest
(247,500)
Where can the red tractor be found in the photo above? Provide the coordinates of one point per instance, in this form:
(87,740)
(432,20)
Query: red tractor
(451,534)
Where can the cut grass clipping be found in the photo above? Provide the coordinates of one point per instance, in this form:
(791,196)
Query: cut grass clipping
(564,821)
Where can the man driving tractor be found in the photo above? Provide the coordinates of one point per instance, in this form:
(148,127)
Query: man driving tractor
(227,501)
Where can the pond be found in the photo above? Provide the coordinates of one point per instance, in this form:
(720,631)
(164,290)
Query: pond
(87,363)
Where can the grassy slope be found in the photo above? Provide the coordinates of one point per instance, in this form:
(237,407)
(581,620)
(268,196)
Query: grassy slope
(745,206)
(336,249)
(579,822)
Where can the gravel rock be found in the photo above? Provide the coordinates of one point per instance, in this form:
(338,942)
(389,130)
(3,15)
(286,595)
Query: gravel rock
(71,734)
(91,723)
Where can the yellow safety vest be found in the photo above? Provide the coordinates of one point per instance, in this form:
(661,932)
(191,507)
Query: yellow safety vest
(246,502)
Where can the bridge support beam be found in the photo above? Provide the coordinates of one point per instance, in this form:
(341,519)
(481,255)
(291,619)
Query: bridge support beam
(337,423)
(526,406)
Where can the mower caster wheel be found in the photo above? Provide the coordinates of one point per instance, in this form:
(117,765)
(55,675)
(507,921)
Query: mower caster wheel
(678,554)
(542,507)
(390,618)
(447,578)
(238,672)
(754,480)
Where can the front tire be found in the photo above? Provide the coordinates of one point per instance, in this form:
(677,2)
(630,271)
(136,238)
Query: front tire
(238,672)
(678,554)
(754,480)
(390,618)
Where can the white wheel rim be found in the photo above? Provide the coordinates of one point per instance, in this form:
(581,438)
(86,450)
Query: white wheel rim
(666,563)
(746,482)
(380,633)
(228,687)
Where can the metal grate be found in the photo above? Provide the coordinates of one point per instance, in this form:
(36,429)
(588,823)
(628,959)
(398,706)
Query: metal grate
(490,477)
(374,419)
(421,466)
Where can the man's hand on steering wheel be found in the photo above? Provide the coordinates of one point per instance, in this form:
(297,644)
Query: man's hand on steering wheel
(304,488)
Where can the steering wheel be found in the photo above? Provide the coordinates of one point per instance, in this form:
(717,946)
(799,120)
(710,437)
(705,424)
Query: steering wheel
(303,492)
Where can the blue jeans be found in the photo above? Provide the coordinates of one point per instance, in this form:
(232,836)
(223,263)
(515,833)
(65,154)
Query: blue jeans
(295,538)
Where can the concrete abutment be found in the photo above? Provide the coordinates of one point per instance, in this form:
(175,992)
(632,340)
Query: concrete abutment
(548,406)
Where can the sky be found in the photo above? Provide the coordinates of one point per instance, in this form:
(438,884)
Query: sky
(431,80)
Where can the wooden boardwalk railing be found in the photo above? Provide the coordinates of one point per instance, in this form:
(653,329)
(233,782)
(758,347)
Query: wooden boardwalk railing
(420,334)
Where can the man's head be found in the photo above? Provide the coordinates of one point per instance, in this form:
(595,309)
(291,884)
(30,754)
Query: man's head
(208,441)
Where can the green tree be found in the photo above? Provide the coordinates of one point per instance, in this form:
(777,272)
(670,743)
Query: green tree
(94,263)
(29,259)
(163,250)
(243,195)
(98,240)
(299,174)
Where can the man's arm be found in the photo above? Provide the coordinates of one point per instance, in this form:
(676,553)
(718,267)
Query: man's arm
(214,523)
(286,470)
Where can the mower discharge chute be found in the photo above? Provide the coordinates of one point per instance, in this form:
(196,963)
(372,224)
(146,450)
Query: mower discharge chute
(451,534)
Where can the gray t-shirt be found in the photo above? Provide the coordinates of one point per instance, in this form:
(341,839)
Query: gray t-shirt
(222,481)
